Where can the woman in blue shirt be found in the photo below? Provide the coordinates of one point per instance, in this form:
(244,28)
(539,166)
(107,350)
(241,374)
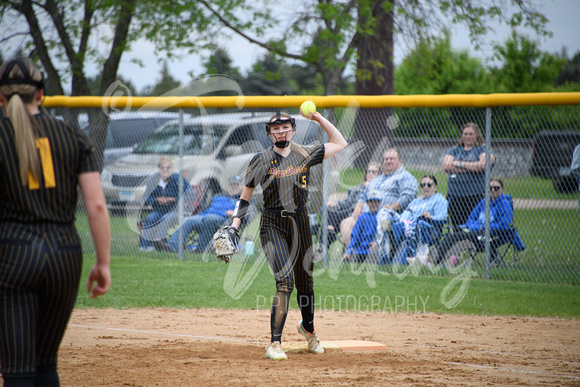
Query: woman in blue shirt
(500,219)
(420,223)
(465,164)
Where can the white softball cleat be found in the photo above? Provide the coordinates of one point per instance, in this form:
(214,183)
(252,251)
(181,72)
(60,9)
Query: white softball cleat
(314,345)
(274,351)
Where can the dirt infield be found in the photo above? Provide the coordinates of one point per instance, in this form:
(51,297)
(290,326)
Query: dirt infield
(167,347)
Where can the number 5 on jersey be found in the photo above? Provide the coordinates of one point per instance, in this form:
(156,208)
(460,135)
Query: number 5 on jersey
(47,167)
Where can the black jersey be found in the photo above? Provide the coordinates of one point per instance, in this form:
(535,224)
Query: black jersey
(65,152)
(284,180)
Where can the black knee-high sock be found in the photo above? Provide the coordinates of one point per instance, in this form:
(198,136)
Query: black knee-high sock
(47,377)
(10,381)
(306,304)
(278,314)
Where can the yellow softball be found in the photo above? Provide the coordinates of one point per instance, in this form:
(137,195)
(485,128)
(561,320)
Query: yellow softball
(308,107)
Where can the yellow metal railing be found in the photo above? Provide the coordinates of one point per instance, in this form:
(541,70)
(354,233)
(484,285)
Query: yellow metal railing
(286,101)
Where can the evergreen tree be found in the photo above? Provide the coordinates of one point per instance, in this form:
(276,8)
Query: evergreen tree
(571,72)
(165,84)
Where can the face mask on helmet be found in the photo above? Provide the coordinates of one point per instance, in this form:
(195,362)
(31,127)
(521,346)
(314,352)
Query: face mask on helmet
(281,121)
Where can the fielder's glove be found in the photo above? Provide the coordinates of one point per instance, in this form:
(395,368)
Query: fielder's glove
(225,242)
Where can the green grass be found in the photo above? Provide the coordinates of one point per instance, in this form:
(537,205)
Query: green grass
(531,187)
(140,282)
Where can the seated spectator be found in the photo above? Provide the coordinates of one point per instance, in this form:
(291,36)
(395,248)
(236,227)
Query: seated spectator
(418,226)
(397,186)
(501,215)
(362,241)
(162,193)
(338,211)
(209,221)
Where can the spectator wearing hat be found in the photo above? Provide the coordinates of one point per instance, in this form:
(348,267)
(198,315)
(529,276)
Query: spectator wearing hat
(210,220)
(363,237)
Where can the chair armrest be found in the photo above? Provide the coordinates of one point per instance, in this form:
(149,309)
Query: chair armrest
(436,223)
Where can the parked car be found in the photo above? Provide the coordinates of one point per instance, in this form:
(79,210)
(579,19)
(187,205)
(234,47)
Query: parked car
(127,129)
(551,158)
(215,147)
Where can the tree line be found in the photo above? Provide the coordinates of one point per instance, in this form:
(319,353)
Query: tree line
(431,68)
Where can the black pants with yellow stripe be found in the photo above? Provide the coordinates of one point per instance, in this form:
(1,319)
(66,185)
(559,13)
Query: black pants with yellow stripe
(40,268)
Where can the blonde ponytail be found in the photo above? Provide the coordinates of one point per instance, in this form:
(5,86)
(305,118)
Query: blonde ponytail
(26,129)
(298,149)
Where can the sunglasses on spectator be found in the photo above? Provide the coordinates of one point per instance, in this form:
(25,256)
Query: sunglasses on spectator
(423,185)
(165,167)
(372,171)
(494,187)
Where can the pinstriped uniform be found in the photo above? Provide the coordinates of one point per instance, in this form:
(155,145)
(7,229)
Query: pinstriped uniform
(40,251)
(286,241)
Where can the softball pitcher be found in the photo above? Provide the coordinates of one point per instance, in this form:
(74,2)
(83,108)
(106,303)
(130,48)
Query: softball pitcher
(283,171)
(42,160)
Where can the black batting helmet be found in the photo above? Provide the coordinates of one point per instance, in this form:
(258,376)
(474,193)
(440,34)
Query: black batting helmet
(278,120)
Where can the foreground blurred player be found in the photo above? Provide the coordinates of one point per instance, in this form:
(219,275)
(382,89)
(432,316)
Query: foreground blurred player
(283,171)
(41,162)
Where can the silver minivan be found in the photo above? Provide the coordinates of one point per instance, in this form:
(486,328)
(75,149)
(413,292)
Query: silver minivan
(127,129)
(214,148)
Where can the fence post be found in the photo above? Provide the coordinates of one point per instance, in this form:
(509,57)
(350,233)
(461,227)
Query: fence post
(180,193)
(323,233)
(487,181)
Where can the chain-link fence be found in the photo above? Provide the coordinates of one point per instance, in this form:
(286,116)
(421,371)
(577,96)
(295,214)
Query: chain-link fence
(528,147)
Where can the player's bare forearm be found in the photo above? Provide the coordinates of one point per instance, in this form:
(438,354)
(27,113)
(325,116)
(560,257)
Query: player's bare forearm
(236,223)
(336,140)
(98,214)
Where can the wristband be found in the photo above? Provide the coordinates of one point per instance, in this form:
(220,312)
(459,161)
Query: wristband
(459,165)
(241,209)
